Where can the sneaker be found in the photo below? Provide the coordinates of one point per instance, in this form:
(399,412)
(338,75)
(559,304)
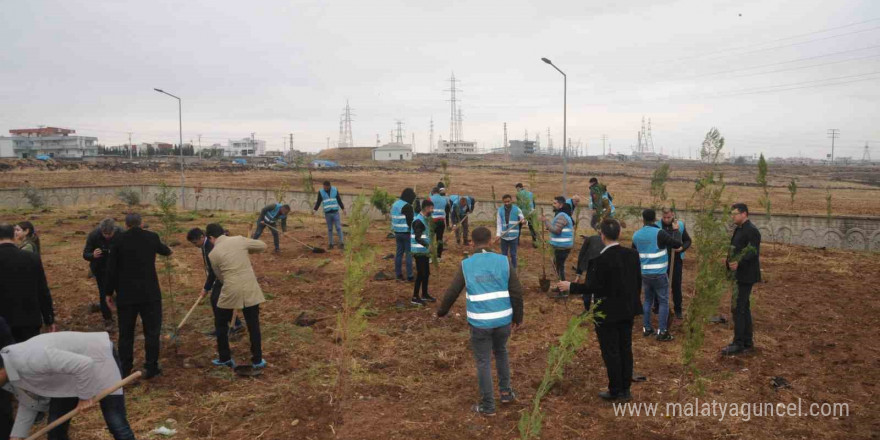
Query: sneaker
(664,336)
(679,316)
(481,411)
(417,302)
(732,349)
(508,396)
(429,298)
(647,331)
(260,365)
(218,363)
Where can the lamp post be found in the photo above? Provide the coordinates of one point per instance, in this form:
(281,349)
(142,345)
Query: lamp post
(564,124)
(180,144)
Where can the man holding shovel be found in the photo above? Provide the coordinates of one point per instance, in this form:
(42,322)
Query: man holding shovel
(268,217)
(331,202)
(70,369)
(561,234)
(667,223)
(240,290)
(462,206)
(212,285)
(508,224)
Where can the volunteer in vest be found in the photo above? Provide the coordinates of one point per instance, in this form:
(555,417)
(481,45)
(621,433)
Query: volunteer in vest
(331,202)
(494,304)
(526,202)
(666,224)
(561,234)
(401,223)
(440,214)
(508,222)
(420,244)
(269,216)
(573,202)
(651,242)
(598,196)
(461,206)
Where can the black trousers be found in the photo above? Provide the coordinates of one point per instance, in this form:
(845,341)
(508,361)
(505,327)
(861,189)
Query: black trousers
(423,272)
(615,341)
(560,255)
(675,286)
(151,318)
(100,279)
(439,229)
(531,230)
(21,334)
(742,315)
(6,419)
(252,319)
(215,296)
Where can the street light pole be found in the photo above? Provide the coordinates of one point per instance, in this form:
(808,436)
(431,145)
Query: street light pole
(180,144)
(564,124)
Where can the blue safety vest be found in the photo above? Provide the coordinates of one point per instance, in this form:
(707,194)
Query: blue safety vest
(565,239)
(439,213)
(272,215)
(398,220)
(328,201)
(680,229)
(654,260)
(486,276)
(416,247)
(510,224)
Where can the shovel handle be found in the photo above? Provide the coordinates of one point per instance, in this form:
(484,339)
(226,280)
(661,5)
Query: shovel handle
(76,411)
(288,236)
(183,321)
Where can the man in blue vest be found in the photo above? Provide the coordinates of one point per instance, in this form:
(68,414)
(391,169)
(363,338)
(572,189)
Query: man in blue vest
(269,216)
(401,222)
(461,207)
(675,273)
(420,245)
(494,304)
(508,222)
(651,242)
(331,202)
(561,234)
(526,202)
(573,202)
(440,214)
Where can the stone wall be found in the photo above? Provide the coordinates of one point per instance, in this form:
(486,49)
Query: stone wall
(857,233)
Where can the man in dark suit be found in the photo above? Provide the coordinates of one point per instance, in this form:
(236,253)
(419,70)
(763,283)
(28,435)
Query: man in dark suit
(744,260)
(614,279)
(131,275)
(25,300)
(97,253)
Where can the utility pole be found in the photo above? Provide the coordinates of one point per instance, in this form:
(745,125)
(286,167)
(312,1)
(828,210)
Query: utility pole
(200,146)
(604,138)
(129,146)
(833,133)
(253,148)
(431,137)
(290,144)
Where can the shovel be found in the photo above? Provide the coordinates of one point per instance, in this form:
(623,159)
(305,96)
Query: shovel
(543,282)
(183,321)
(315,250)
(76,411)
(303,321)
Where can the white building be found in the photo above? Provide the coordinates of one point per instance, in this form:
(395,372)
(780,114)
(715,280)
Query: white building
(456,147)
(50,141)
(6,149)
(245,147)
(522,148)
(393,151)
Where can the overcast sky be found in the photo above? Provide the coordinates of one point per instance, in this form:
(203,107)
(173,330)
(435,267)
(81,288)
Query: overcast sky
(772,75)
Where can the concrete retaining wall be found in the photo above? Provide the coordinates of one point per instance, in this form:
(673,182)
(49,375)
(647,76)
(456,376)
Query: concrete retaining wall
(856,233)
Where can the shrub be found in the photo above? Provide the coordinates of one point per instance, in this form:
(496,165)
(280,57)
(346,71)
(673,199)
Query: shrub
(658,185)
(34,197)
(129,196)
(382,201)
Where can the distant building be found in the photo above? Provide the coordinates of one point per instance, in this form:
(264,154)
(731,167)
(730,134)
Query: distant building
(245,147)
(522,148)
(456,147)
(50,141)
(393,151)
(323,164)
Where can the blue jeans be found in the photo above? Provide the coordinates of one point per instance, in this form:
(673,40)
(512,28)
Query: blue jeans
(655,286)
(112,407)
(334,219)
(403,252)
(485,342)
(508,247)
(259,231)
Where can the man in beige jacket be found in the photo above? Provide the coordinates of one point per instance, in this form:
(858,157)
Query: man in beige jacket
(232,265)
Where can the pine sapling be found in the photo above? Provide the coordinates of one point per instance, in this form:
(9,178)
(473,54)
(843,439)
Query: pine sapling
(792,190)
(761,178)
(166,199)
(658,185)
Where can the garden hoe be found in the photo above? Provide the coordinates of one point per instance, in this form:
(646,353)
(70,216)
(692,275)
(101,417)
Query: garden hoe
(544,282)
(315,250)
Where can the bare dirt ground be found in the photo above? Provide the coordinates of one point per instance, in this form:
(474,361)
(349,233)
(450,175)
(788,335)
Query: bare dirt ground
(815,323)
(854,190)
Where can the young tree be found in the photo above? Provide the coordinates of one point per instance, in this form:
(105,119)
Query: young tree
(382,201)
(658,185)
(761,178)
(166,199)
(792,190)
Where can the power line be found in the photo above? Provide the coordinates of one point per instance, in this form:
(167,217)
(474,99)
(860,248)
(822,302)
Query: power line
(784,62)
(806,67)
(776,89)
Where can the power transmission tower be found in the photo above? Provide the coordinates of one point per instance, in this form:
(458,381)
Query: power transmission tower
(431,137)
(866,156)
(399,137)
(290,145)
(833,133)
(454,125)
(649,142)
(458,122)
(604,138)
(550,141)
(506,147)
(130,154)
(346,139)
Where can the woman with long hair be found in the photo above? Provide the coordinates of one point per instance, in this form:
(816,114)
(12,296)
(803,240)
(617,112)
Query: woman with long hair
(26,235)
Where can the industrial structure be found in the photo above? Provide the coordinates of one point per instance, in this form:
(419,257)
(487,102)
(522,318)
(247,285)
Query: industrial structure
(395,150)
(455,144)
(346,140)
(47,141)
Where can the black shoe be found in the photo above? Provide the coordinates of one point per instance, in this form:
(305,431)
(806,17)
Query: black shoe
(331,246)
(678,315)
(342,246)
(400,279)
(483,412)
(410,279)
(417,302)
(624,396)
(647,332)
(732,349)
(151,373)
(429,298)
(664,336)
(610,397)
(277,251)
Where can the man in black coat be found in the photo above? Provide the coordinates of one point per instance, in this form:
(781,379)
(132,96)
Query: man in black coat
(744,260)
(614,279)
(131,275)
(97,253)
(25,300)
